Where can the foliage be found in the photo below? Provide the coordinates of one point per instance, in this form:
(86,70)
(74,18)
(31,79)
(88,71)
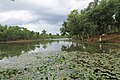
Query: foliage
(101,16)
(12,33)
(63,66)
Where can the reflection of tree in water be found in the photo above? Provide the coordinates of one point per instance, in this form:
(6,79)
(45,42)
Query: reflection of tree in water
(58,41)
(38,46)
(44,46)
(91,48)
(15,49)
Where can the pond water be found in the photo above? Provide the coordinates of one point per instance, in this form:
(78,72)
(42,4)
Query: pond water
(16,49)
(59,60)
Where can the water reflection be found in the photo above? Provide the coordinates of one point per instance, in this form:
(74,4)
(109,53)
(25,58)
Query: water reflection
(91,48)
(10,50)
(45,47)
(13,49)
(7,50)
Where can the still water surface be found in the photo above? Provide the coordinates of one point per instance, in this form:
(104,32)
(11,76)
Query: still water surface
(16,49)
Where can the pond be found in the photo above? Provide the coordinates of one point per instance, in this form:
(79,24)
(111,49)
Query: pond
(59,60)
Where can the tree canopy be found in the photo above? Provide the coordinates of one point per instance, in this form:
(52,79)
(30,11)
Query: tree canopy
(8,33)
(12,33)
(101,16)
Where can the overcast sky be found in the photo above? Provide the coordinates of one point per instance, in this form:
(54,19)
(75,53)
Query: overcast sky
(37,15)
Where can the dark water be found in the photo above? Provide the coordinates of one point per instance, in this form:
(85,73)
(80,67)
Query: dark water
(16,49)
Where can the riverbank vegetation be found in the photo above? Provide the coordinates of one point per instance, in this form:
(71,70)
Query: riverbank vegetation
(13,33)
(100,17)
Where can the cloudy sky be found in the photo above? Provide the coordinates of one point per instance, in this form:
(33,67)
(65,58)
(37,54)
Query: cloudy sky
(38,14)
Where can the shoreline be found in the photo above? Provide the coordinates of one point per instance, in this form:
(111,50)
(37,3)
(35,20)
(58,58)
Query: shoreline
(27,41)
(111,38)
(19,41)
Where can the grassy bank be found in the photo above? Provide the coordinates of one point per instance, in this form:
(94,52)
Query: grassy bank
(19,41)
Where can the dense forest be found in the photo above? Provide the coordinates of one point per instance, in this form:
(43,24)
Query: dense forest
(100,17)
(12,33)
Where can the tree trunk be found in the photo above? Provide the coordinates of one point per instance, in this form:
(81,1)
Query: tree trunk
(82,38)
(100,39)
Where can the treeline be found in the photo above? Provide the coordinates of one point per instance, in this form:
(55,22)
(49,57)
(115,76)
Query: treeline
(8,33)
(12,33)
(100,17)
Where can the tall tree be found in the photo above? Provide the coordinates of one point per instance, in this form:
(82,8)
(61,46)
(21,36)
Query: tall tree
(44,31)
(96,19)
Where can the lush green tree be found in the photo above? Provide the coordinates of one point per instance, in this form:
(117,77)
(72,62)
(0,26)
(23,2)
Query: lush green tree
(117,14)
(101,16)
(44,31)
(8,33)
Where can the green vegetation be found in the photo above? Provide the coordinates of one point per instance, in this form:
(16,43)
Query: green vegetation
(63,66)
(100,17)
(55,59)
(12,33)
(62,60)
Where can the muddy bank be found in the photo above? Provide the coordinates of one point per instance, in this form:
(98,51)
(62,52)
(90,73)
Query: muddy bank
(106,38)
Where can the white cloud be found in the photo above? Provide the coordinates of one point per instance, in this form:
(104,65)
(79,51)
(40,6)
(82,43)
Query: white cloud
(80,4)
(41,25)
(17,17)
(38,14)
